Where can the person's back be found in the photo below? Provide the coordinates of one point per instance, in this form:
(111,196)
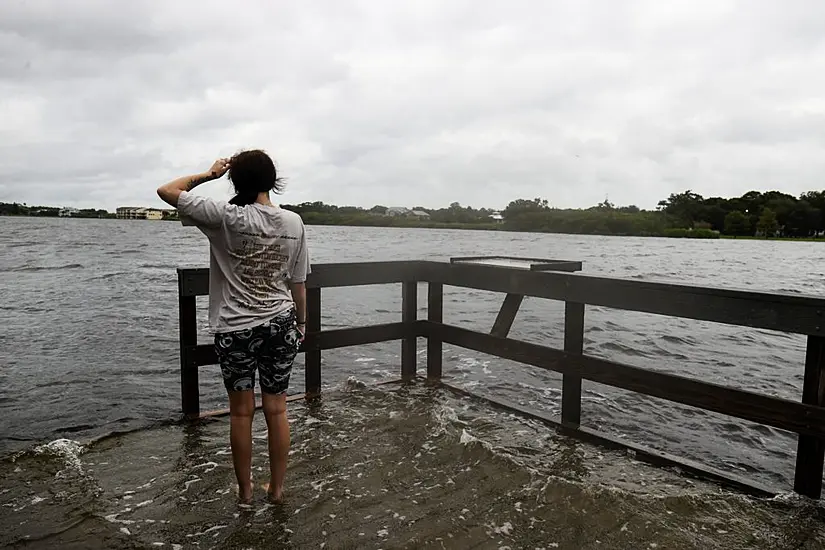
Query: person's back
(256,251)
(257,299)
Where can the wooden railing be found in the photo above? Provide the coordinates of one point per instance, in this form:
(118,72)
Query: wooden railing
(778,312)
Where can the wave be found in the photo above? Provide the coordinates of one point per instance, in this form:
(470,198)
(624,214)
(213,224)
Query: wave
(26,244)
(158,266)
(35,268)
(67,451)
(107,276)
(123,252)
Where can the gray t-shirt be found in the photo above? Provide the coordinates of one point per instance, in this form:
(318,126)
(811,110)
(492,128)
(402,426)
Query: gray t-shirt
(255,251)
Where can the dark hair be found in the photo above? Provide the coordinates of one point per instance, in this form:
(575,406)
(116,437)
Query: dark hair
(252,172)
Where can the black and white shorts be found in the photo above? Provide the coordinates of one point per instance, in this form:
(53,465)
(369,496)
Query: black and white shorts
(269,348)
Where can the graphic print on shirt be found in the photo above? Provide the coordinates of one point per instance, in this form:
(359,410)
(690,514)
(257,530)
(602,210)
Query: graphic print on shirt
(261,267)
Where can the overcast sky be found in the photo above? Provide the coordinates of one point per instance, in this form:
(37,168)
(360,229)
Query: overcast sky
(413,103)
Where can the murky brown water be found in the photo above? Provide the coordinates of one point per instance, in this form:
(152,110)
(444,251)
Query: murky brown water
(382,468)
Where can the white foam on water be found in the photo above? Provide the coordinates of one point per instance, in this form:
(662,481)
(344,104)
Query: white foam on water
(37,500)
(212,529)
(467,438)
(352,382)
(208,465)
(148,483)
(189,483)
(365,360)
(263,509)
(445,418)
(125,531)
(505,529)
(67,449)
(112,518)
(792,498)
(320,484)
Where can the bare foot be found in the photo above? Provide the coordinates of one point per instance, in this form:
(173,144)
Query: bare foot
(273,496)
(245,495)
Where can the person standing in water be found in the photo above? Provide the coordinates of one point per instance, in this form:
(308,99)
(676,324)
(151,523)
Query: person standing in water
(257,299)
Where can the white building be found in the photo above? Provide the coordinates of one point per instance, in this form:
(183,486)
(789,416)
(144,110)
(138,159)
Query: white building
(138,213)
(397,211)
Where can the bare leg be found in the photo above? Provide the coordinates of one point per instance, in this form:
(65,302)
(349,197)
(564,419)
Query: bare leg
(241,412)
(277,424)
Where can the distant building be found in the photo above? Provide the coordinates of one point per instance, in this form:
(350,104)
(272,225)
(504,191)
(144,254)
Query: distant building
(67,212)
(406,212)
(496,217)
(397,211)
(139,213)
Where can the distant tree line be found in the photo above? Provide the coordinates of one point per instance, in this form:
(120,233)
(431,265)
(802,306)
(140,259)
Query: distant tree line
(754,213)
(686,214)
(16,209)
(319,213)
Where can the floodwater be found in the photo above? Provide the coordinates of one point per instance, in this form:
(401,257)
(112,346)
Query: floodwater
(409,468)
(89,348)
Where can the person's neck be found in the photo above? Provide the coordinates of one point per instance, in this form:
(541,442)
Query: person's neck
(263,198)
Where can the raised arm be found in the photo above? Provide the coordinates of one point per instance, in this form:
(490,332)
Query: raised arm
(171,191)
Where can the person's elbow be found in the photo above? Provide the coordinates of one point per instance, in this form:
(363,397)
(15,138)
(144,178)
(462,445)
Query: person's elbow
(168,196)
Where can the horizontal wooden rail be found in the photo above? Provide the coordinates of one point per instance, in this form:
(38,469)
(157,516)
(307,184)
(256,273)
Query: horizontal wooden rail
(772,411)
(773,311)
(195,282)
(204,354)
(780,312)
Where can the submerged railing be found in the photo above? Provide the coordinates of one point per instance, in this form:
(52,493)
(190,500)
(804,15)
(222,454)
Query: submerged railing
(778,312)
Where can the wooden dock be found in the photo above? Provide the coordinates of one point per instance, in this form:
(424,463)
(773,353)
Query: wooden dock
(787,313)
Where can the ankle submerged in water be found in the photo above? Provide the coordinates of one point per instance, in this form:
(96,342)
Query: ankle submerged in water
(275,497)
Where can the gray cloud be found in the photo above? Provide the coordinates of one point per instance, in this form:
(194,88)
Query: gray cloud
(413,103)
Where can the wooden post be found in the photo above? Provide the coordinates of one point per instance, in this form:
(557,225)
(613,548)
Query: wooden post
(810,451)
(409,315)
(506,315)
(312,348)
(188,327)
(571,397)
(435,314)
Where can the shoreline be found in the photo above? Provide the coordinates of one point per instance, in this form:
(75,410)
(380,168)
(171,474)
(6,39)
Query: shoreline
(498,227)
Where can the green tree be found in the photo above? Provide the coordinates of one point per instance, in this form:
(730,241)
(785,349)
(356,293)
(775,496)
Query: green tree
(685,207)
(737,223)
(817,201)
(768,224)
(525,206)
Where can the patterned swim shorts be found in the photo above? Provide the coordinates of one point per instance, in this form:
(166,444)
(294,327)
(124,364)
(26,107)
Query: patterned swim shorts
(269,348)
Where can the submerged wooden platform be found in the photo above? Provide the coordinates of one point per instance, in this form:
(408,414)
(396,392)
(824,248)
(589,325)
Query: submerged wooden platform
(778,312)
(417,466)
